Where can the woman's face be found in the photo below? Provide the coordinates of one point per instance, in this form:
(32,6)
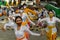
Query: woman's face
(18,20)
(25,6)
(51,14)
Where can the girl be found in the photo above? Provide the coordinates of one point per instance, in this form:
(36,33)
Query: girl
(26,18)
(20,29)
(26,21)
(51,30)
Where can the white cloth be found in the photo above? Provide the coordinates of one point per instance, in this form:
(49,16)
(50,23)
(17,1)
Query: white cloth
(20,33)
(51,23)
(54,30)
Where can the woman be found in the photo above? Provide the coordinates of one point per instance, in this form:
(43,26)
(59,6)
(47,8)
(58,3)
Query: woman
(26,18)
(51,30)
(20,29)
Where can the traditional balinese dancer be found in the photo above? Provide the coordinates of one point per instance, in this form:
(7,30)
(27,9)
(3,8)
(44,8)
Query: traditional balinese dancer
(51,30)
(20,29)
(26,18)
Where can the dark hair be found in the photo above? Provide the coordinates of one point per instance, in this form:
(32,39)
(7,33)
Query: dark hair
(51,11)
(20,6)
(24,4)
(17,17)
(4,9)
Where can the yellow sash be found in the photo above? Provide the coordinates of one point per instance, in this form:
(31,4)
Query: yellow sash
(50,31)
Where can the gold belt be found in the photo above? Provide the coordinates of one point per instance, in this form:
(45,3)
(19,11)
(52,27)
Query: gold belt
(50,27)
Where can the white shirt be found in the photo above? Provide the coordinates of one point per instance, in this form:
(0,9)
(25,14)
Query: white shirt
(51,23)
(20,33)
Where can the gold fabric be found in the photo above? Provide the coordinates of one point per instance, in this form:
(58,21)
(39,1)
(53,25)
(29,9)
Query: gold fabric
(51,36)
